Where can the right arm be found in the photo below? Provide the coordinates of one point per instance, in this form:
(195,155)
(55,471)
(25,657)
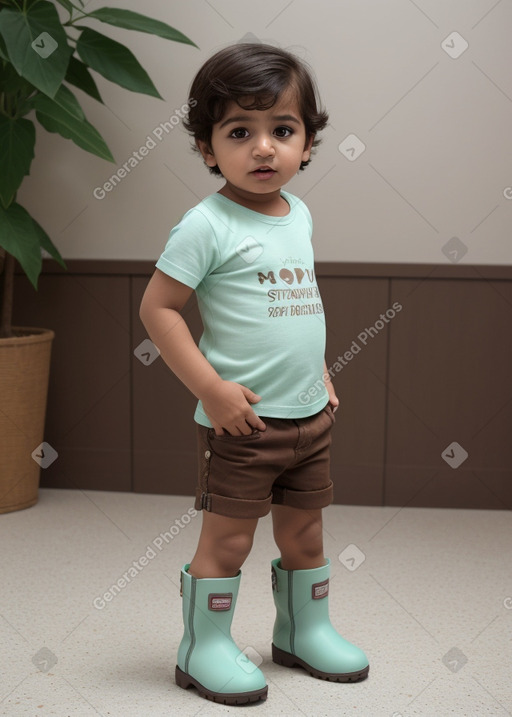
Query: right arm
(227,404)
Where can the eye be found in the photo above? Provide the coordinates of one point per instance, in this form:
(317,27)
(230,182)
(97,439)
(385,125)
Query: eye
(239,133)
(283,132)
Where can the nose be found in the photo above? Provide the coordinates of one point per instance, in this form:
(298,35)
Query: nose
(263,146)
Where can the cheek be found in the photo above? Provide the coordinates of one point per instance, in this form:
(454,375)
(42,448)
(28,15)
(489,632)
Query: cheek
(296,156)
(234,156)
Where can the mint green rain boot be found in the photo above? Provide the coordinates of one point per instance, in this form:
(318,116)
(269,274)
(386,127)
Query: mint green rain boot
(208,658)
(303,633)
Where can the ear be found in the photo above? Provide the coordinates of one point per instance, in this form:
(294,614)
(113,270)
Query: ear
(206,152)
(307,148)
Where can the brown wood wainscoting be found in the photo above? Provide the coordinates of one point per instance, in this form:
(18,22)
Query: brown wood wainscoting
(421,358)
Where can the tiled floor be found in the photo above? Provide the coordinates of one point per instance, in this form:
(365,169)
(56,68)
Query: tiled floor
(431,604)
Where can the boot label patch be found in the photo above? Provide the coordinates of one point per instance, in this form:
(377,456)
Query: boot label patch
(219,601)
(274,579)
(320,590)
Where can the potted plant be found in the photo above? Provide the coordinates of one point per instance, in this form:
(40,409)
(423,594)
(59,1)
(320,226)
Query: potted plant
(44,49)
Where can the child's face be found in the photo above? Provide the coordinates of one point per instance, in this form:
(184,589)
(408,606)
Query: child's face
(259,151)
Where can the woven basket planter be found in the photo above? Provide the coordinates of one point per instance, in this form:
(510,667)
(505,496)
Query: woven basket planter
(24,374)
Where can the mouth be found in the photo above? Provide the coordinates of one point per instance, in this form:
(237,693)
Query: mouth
(264,172)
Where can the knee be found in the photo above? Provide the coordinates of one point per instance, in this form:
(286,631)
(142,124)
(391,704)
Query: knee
(306,540)
(234,549)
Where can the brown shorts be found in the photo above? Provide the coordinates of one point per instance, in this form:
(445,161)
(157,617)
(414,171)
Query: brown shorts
(287,464)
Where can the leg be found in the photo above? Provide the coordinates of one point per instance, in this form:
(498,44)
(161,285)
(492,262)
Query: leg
(223,546)
(208,658)
(303,633)
(298,535)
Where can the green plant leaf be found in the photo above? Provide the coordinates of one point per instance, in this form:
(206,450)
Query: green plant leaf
(67,5)
(22,237)
(4,55)
(49,246)
(115,62)
(79,76)
(37,44)
(54,118)
(67,100)
(17,140)
(11,82)
(135,21)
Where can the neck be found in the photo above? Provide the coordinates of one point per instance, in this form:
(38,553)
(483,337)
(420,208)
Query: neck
(271,203)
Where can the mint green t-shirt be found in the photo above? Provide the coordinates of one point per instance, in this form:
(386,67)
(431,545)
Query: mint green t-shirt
(264,324)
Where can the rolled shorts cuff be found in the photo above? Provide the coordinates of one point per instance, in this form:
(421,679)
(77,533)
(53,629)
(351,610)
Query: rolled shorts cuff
(232,507)
(304,499)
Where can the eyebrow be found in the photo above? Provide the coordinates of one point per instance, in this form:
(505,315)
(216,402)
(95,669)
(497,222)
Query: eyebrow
(247,118)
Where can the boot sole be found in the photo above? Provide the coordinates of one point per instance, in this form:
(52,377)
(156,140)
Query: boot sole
(239,698)
(286,659)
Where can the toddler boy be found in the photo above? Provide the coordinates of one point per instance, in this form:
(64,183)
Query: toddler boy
(246,251)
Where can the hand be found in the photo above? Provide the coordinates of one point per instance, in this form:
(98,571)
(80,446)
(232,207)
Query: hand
(333,399)
(228,407)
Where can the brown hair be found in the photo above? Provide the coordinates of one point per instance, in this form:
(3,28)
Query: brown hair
(251,70)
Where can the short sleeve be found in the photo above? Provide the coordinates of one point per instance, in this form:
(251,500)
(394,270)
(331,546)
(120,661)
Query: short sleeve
(191,252)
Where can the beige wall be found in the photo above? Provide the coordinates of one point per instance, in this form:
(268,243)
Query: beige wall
(436,130)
